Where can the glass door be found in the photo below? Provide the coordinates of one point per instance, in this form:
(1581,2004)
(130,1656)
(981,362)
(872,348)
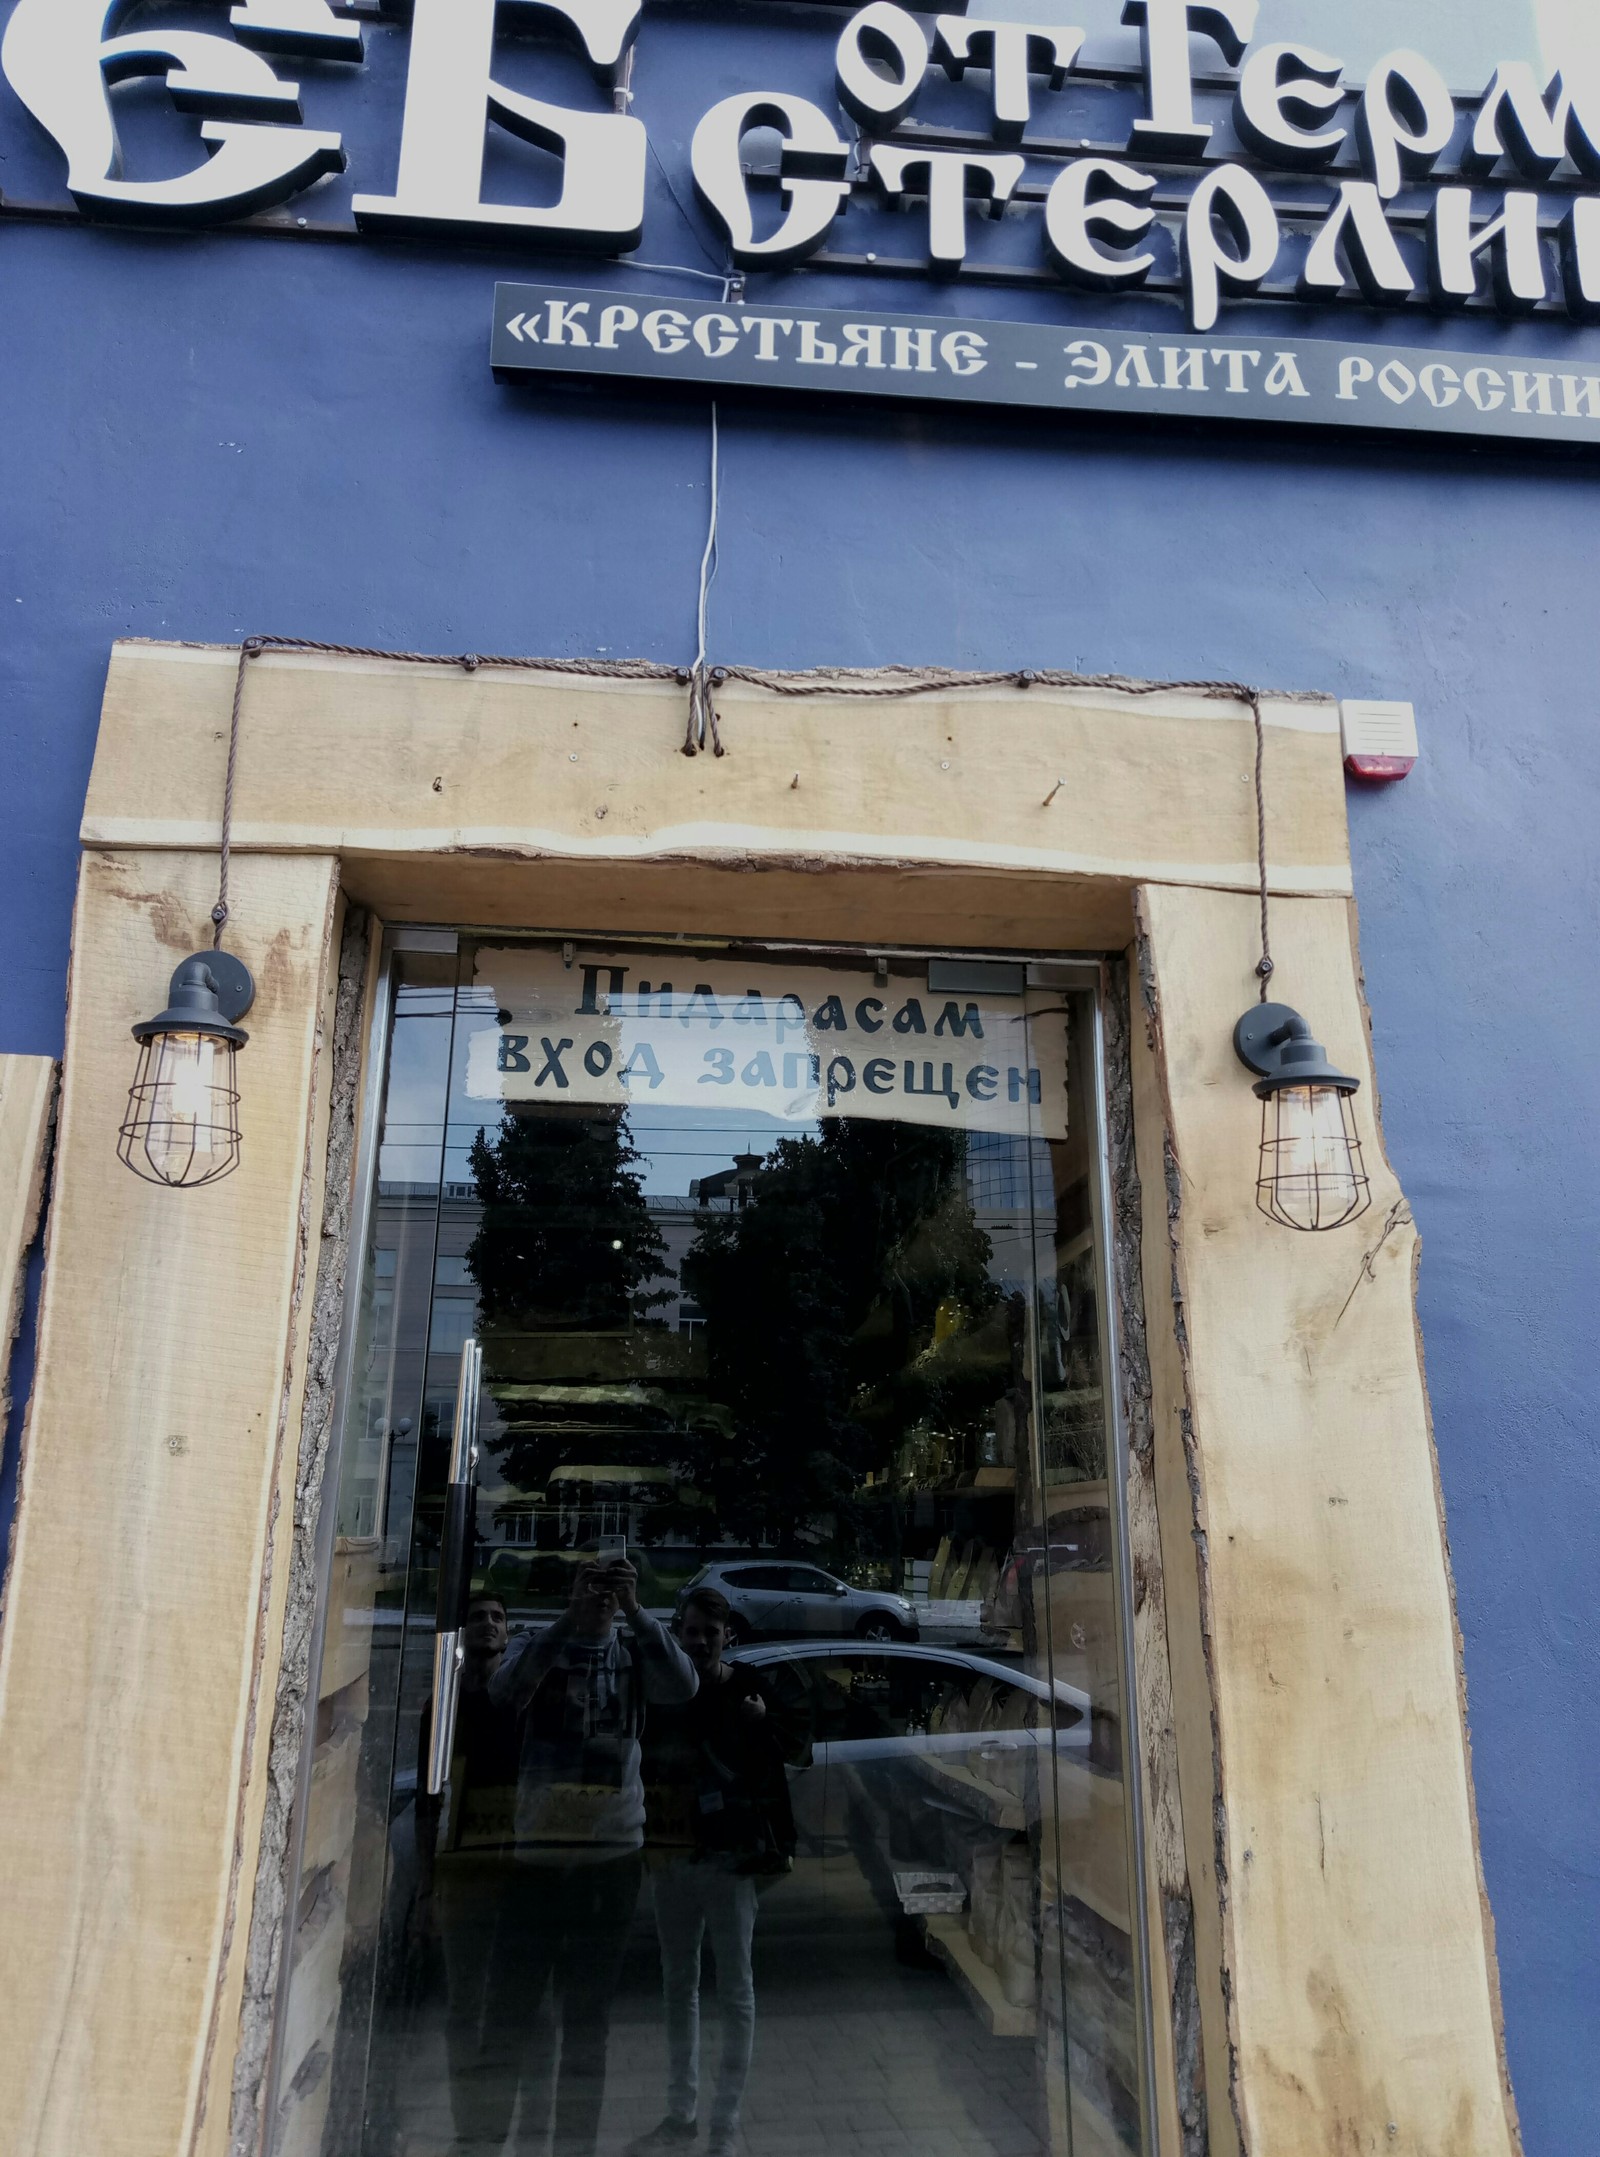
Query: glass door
(721,1736)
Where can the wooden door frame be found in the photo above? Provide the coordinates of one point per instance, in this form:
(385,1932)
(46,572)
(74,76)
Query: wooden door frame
(1298,1666)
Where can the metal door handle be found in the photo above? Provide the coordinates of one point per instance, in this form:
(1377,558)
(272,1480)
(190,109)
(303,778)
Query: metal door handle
(455,1566)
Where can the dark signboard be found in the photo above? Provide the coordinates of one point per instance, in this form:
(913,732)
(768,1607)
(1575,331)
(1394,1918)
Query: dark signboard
(542,329)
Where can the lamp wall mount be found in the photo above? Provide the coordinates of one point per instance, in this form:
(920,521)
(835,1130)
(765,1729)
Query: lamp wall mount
(231,980)
(1275,1042)
(208,994)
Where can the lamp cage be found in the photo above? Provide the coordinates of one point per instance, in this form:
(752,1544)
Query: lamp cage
(182,1123)
(1311,1174)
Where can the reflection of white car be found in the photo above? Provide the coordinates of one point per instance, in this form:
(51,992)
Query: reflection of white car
(861,1702)
(769,1597)
(908,1758)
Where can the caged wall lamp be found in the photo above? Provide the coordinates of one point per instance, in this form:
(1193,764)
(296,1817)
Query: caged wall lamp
(182,1122)
(182,1125)
(1311,1174)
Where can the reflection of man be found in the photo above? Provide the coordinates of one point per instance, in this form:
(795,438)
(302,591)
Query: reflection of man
(494,2050)
(720,1819)
(578,1691)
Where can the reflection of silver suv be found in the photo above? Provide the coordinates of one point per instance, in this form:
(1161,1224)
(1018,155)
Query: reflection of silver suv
(778,1601)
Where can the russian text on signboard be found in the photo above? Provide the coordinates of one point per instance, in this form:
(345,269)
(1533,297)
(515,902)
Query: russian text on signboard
(539,331)
(788,1043)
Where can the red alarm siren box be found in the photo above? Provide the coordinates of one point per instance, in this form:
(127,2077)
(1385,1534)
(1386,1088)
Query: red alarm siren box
(1380,739)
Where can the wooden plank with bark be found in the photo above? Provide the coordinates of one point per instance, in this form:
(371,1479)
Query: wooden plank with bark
(371,759)
(130,1735)
(1357,1961)
(27,1097)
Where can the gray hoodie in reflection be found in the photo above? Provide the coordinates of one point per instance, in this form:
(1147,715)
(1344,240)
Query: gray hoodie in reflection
(581,1706)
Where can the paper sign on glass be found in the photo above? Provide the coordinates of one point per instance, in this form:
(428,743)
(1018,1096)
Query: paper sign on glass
(797,1042)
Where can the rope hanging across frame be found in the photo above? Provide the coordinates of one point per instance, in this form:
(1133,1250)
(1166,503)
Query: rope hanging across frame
(887,682)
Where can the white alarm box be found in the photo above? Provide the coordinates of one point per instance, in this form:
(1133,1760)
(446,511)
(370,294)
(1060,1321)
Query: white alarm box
(1380,739)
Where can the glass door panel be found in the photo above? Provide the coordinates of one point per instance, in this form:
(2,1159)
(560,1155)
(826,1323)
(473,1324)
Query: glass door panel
(785,1803)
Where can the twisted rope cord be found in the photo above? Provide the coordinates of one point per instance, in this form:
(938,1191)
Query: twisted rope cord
(931,681)
(252,648)
(893,681)
(1264,963)
(928,682)
(219,913)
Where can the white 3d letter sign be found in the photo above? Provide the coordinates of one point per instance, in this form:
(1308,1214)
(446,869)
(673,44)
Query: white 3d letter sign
(1171,129)
(307,27)
(1015,51)
(1233,198)
(451,95)
(59,60)
(1092,195)
(887,34)
(812,172)
(1394,214)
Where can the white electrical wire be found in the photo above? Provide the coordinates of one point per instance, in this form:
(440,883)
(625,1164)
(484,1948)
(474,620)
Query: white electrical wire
(702,719)
(682,269)
(708,560)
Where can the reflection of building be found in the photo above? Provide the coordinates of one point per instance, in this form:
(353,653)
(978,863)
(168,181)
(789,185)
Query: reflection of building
(424,1303)
(592,1432)
(1005,1175)
(729,1187)
(604,1471)
(586,1431)
(676,1220)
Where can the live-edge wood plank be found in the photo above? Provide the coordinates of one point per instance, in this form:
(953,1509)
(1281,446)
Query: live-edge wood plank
(27,1095)
(1355,1952)
(166,1344)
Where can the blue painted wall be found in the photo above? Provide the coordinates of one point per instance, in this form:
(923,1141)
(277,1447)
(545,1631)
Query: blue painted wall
(209,436)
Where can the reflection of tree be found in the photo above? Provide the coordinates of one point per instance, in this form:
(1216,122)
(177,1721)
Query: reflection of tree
(825,1299)
(566,1239)
(565,1244)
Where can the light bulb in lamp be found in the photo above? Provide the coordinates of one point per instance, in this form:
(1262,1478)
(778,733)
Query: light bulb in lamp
(182,1125)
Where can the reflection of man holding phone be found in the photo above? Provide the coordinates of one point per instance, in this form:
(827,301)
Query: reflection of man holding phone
(721,1823)
(495,2053)
(579,1692)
